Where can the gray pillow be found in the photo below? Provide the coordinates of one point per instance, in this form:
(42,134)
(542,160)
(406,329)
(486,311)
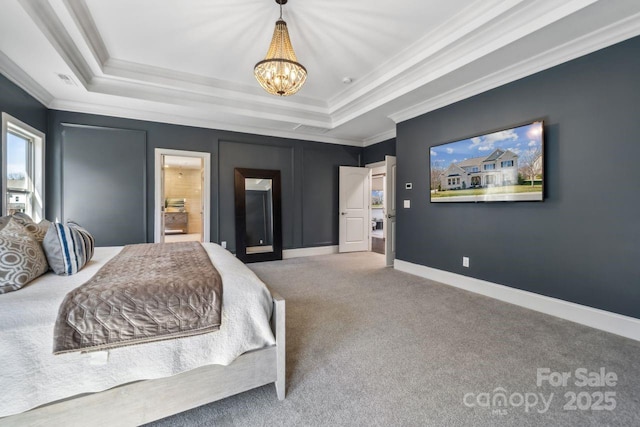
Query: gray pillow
(38,230)
(21,257)
(4,220)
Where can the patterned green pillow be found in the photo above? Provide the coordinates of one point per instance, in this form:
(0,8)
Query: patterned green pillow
(21,257)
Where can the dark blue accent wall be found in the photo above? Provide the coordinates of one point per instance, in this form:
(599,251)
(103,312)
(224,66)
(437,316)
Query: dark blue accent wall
(309,174)
(582,244)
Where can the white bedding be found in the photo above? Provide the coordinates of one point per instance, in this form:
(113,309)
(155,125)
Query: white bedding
(30,375)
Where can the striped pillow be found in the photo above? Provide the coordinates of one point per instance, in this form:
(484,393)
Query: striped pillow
(68,247)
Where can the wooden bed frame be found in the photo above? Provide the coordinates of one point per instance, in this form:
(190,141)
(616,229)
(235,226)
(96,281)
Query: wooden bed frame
(162,397)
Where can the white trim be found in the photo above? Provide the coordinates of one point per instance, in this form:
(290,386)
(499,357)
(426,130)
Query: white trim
(381,137)
(478,30)
(206,190)
(16,75)
(607,36)
(38,184)
(614,323)
(162,114)
(304,252)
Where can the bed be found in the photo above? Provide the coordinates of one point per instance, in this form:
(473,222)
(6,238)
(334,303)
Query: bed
(140,383)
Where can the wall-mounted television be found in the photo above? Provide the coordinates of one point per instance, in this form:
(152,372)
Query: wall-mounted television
(502,166)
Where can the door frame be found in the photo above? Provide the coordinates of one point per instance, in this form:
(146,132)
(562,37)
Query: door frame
(379,165)
(206,191)
(391,209)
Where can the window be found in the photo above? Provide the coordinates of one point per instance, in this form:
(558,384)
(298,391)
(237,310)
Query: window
(22,168)
(506,164)
(489,166)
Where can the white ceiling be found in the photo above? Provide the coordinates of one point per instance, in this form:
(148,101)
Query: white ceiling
(191,61)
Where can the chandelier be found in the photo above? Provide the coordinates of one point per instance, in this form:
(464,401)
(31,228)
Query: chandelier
(280,73)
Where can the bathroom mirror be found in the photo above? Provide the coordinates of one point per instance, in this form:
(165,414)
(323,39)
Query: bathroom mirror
(258,215)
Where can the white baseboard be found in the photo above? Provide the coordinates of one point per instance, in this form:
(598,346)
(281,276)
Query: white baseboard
(302,252)
(599,319)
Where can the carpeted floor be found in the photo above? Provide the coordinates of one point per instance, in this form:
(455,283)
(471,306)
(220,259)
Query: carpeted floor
(368,345)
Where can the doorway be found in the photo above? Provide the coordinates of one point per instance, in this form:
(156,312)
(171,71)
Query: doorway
(182,196)
(367,208)
(377,212)
(383,208)
(354,232)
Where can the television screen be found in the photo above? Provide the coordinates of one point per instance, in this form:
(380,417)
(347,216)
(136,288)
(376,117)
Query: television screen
(507,165)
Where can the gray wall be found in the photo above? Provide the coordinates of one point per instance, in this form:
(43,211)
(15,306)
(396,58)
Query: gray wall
(104,182)
(19,104)
(309,174)
(376,152)
(581,244)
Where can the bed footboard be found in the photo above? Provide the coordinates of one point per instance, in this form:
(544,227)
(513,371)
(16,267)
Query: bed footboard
(279,330)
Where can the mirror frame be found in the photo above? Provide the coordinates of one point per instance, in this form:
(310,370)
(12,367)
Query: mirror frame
(241,215)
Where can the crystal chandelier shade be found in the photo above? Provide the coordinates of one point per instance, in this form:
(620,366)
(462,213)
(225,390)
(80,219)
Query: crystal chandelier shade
(280,73)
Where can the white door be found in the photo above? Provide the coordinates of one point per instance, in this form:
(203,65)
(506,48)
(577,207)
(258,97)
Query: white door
(390,210)
(355,215)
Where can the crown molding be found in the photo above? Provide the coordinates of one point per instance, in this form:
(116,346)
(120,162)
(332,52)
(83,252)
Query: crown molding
(522,19)
(382,136)
(83,20)
(146,74)
(604,37)
(474,16)
(151,83)
(482,28)
(17,75)
(52,28)
(208,102)
(190,120)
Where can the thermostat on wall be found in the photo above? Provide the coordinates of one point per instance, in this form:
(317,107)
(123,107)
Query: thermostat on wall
(408,186)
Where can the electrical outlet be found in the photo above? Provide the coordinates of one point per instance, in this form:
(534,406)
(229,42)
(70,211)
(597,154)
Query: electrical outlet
(223,244)
(465,261)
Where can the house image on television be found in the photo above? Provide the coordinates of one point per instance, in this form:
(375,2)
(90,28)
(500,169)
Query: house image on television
(497,169)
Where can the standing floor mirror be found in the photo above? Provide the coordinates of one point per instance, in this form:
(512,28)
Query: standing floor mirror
(258,215)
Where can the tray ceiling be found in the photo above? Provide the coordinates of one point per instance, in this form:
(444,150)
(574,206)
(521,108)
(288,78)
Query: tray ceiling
(191,61)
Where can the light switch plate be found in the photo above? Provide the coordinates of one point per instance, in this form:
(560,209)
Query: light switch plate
(407,204)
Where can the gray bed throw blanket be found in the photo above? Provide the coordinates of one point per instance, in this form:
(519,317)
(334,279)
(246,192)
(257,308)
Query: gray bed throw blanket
(148,292)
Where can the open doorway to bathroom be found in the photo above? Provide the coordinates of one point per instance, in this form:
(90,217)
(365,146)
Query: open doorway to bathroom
(182,190)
